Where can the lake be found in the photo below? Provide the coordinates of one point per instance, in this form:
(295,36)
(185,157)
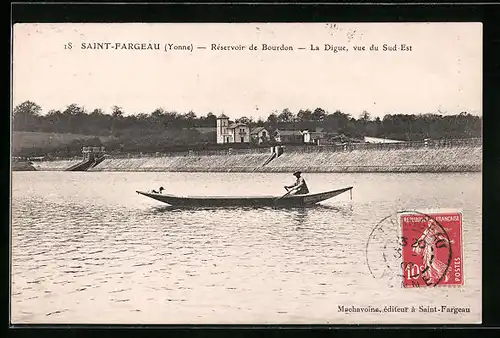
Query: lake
(87,249)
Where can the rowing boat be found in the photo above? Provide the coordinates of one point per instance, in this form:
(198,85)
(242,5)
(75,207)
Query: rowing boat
(225,201)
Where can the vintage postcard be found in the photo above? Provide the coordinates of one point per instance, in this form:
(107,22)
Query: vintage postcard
(246,173)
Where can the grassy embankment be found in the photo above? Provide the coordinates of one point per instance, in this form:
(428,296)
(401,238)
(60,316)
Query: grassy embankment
(192,163)
(454,159)
(446,159)
(34,144)
(25,143)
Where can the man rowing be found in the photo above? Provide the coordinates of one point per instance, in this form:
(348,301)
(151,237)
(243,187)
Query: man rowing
(300,186)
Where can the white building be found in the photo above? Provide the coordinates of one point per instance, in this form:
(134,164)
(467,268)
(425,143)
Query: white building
(288,136)
(231,133)
(259,135)
(223,135)
(313,137)
(380,140)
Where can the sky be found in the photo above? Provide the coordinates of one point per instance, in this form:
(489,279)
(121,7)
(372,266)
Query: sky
(441,74)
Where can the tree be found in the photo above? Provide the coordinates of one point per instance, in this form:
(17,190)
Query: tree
(190,115)
(158,112)
(339,119)
(244,120)
(117,112)
(97,112)
(272,118)
(304,115)
(318,114)
(160,130)
(375,129)
(74,109)
(26,115)
(74,118)
(363,124)
(28,108)
(272,121)
(117,116)
(364,116)
(285,116)
(210,120)
(53,121)
(189,119)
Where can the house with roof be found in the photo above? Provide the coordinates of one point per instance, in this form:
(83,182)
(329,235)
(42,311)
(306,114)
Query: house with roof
(288,136)
(321,137)
(259,135)
(231,132)
(314,137)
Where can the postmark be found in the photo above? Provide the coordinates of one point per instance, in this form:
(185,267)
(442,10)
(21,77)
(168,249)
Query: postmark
(417,249)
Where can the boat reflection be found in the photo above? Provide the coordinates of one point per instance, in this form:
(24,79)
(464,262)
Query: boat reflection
(300,218)
(301,211)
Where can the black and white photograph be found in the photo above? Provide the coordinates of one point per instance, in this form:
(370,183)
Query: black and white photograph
(246,173)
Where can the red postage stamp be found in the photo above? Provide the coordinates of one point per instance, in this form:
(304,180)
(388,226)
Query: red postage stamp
(431,249)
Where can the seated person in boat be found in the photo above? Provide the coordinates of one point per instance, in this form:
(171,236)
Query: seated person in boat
(300,186)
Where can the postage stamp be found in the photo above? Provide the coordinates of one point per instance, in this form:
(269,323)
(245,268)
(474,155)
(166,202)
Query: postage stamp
(431,249)
(417,249)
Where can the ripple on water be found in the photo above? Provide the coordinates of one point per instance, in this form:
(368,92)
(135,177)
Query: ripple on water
(100,251)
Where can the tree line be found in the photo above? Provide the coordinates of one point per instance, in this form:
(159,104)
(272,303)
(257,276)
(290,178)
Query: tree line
(161,129)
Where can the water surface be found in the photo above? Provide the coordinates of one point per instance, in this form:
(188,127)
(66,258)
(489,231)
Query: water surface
(87,249)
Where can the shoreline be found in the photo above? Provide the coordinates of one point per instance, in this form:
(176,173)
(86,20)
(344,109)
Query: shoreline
(353,169)
(407,160)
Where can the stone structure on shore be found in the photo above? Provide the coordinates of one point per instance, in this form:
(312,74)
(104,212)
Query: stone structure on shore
(456,156)
(22,165)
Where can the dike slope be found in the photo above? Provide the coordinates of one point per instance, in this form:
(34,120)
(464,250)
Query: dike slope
(192,163)
(456,159)
(56,165)
(444,159)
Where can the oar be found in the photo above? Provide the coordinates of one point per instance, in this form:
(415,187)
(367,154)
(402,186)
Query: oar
(288,192)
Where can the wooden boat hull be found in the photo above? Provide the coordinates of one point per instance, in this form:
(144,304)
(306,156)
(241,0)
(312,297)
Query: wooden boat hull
(248,201)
